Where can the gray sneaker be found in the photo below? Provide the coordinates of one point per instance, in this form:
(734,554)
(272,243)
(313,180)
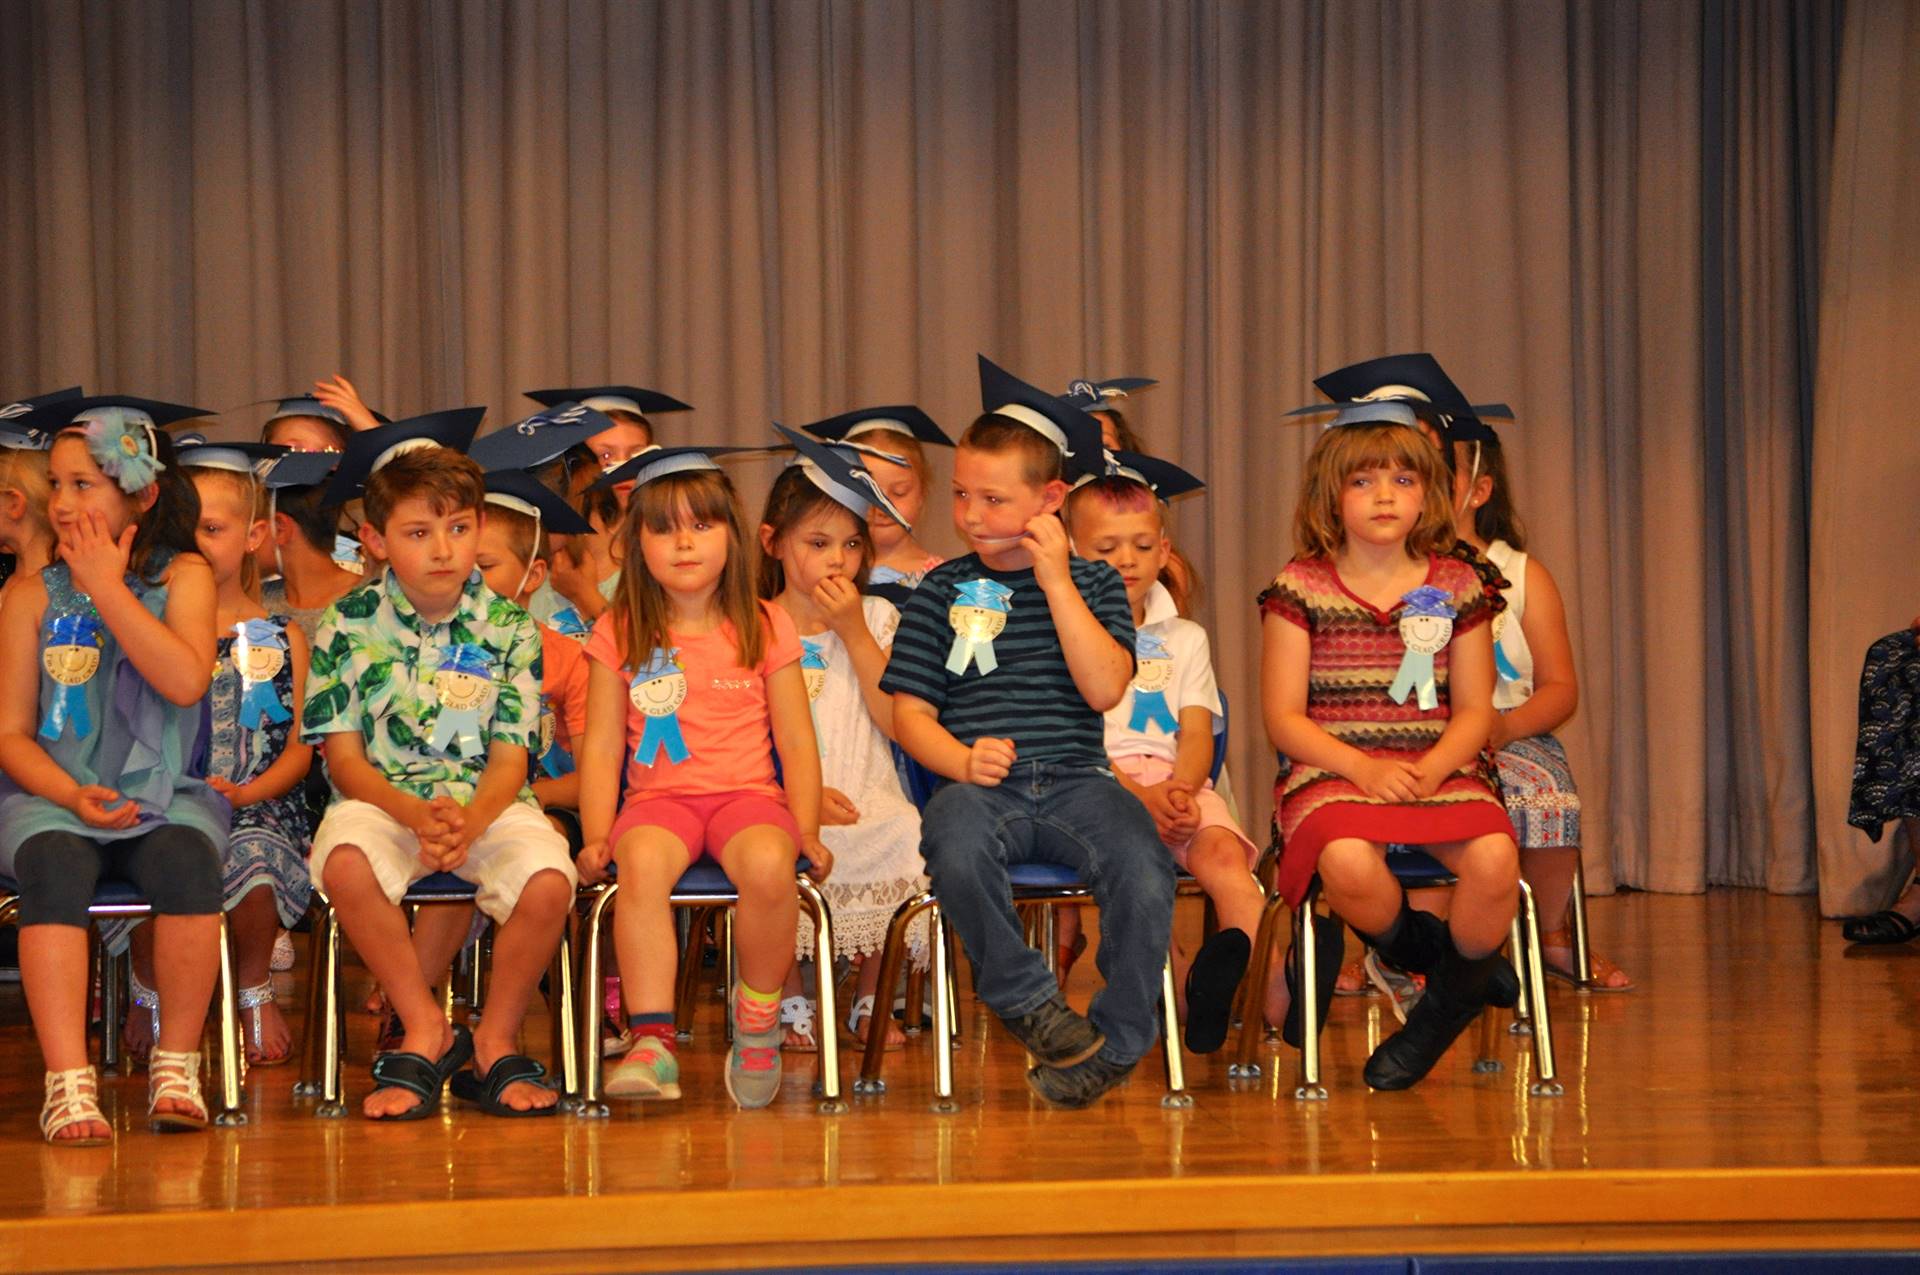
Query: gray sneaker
(1078,1086)
(1055,1035)
(753,1066)
(1401,989)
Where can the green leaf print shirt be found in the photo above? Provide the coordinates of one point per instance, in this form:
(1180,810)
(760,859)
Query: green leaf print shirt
(426,699)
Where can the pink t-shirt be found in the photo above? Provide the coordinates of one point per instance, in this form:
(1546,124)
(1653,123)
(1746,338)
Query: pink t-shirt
(705,726)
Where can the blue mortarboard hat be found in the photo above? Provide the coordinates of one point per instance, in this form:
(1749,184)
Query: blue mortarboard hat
(1414,380)
(73,630)
(58,413)
(1150,646)
(1075,433)
(304,405)
(662,663)
(1090,395)
(531,443)
(26,438)
(300,469)
(370,449)
(1161,477)
(465,657)
(987,594)
(835,468)
(525,494)
(1429,600)
(902,418)
(612,398)
(658,462)
(258,632)
(195,452)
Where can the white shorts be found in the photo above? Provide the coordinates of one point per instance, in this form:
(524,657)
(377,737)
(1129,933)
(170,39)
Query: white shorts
(517,844)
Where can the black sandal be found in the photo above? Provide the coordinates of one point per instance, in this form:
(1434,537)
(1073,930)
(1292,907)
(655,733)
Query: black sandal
(419,1076)
(1212,980)
(508,1069)
(1882,929)
(1330,937)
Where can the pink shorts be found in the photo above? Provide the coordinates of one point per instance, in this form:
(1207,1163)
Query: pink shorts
(705,823)
(1148,771)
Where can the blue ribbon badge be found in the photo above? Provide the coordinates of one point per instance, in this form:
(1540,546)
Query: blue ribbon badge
(978,616)
(1501,664)
(464,687)
(259,653)
(813,670)
(659,689)
(1153,673)
(71,656)
(1426,626)
(555,760)
(567,621)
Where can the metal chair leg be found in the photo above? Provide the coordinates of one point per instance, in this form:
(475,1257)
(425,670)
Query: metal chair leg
(730,969)
(108,972)
(1307,953)
(308,1085)
(1254,1007)
(1582,946)
(232,1050)
(915,996)
(1547,1085)
(1050,938)
(954,1030)
(333,1043)
(592,1106)
(893,953)
(1522,1023)
(1176,1096)
(943,1015)
(827,1087)
(562,1014)
(688,977)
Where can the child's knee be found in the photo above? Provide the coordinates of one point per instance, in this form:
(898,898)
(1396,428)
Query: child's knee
(1216,852)
(346,867)
(546,895)
(761,862)
(1491,864)
(1349,865)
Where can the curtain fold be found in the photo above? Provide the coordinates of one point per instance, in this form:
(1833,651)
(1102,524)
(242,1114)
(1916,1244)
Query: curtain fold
(1604,213)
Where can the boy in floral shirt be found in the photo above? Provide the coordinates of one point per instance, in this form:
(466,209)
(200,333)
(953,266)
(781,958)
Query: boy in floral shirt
(425,695)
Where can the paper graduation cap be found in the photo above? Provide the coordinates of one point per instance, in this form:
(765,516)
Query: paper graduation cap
(53,414)
(523,493)
(612,398)
(369,450)
(299,469)
(1161,477)
(240,458)
(1090,395)
(26,438)
(1414,380)
(658,462)
(1075,433)
(835,468)
(531,443)
(901,418)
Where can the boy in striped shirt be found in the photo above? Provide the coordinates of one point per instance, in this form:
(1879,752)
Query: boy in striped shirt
(1004,662)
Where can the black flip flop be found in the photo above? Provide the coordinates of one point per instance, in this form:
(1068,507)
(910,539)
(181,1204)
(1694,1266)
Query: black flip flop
(1330,940)
(508,1069)
(1212,980)
(1882,929)
(419,1076)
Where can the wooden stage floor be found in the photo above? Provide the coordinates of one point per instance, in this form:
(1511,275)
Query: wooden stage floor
(1757,1092)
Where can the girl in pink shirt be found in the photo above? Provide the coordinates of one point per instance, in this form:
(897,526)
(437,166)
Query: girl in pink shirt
(695,682)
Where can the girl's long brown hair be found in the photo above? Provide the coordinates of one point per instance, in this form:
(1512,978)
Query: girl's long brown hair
(641,612)
(1344,451)
(794,499)
(1498,519)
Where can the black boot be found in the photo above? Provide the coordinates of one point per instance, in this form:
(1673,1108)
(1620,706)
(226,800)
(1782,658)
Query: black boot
(1416,942)
(1456,993)
(1212,980)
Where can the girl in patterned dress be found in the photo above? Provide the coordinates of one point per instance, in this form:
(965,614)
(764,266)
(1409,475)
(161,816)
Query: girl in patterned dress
(1536,691)
(1377,684)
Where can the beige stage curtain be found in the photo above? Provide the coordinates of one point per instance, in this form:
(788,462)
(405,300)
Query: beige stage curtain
(786,209)
(1865,543)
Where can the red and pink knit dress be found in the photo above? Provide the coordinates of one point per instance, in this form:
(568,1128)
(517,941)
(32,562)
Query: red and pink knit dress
(1356,653)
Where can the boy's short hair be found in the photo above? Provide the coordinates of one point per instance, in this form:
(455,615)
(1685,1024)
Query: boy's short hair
(520,531)
(316,522)
(1040,460)
(447,480)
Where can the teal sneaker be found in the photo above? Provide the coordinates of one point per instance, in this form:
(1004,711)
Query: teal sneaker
(753,1065)
(650,1070)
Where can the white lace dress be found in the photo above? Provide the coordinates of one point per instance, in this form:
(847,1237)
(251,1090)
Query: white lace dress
(876,862)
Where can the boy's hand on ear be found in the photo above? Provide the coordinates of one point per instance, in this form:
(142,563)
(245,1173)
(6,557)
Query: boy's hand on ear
(839,601)
(95,559)
(989,761)
(1046,541)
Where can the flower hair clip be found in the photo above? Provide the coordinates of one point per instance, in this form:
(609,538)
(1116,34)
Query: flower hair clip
(121,441)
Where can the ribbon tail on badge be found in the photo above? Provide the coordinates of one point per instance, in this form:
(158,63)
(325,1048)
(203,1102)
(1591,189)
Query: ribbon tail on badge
(557,762)
(966,650)
(1416,674)
(261,705)
(1150,709)
(457,732)
(662,734)
(69,705)
(1504,666)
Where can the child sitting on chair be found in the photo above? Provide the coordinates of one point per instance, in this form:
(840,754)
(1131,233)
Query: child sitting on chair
(423,694)
(1004,662)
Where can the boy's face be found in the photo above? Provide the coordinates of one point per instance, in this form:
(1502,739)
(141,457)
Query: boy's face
(501,568)
(226,533)
(431,554)
(993,502)
(901,483)
(1133,542)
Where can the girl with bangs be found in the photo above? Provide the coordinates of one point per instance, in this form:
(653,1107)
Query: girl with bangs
(696,682)
(1377,679)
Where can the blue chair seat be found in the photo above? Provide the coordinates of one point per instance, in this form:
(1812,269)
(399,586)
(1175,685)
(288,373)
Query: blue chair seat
(1043,876)
(704,879)
(440,886)
(1416,868)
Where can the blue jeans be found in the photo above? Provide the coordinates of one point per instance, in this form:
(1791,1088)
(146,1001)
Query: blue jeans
(1081,818)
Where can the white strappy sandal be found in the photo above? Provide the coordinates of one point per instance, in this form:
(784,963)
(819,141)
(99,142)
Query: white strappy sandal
(73,1097)
(796,1016)
(251,1001)
(863,1008)
(174,1076)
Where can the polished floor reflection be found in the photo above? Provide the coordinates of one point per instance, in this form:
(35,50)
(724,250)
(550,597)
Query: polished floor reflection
(1755,1040)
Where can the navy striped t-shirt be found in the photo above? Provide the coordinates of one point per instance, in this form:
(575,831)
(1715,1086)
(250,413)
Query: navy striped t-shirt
(1029,697)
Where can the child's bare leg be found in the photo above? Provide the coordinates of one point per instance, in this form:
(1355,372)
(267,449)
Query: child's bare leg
(760,863)
(1485,893)
(1066,937)
(869,985)
(650,861)
(137,1033)
(53,969)
(377,929)
(522,950)
(1218,861)
(1550,874)
(1356,884)
(253,924)
(186,964)
(439,932)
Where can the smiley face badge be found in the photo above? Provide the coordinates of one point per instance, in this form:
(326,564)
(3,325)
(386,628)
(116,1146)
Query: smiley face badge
(1426,626)
(978,616)
(659,689)
(259,652)
(71,656)
(1153,673)
(463,685)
